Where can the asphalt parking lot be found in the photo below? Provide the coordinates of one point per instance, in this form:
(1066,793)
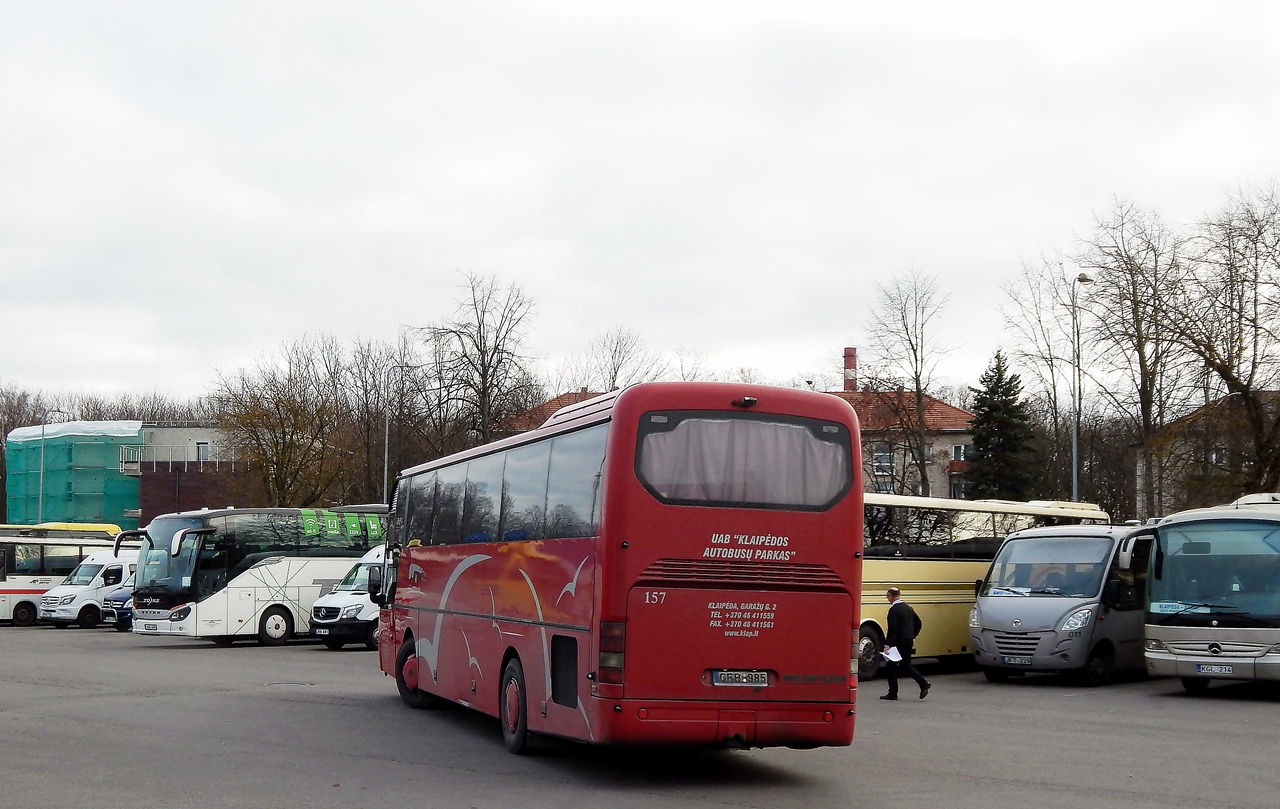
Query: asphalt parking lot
(96,718)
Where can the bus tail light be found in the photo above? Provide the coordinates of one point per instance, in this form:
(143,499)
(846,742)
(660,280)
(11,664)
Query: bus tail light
(613,644)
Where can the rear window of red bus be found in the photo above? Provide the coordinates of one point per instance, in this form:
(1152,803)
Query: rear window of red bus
(743,460)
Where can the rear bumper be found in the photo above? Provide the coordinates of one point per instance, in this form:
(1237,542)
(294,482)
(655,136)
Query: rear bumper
(763,724)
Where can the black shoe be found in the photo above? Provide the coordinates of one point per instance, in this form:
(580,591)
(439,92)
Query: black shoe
(924,690)
(889,696)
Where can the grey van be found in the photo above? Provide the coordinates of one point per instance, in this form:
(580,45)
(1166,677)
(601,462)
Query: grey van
(1066,599)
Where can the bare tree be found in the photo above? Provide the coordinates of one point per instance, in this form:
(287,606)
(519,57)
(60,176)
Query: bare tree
(1226,311)
(482,350)
(906,349)
(618,358)
(1134,263)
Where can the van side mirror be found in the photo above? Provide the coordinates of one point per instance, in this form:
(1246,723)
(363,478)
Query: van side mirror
(977,588)
(375,585)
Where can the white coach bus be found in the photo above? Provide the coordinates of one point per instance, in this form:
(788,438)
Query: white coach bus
(246,573)
(36,558)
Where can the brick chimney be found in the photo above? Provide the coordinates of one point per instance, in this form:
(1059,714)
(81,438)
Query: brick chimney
(851,369)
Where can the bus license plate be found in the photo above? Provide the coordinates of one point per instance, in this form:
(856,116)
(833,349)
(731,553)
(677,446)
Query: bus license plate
(1016,661)
(1203,669)
(150,627)
(751,678)
(322,632)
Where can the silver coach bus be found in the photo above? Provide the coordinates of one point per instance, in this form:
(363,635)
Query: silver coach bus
(1214,609)
(1063,599)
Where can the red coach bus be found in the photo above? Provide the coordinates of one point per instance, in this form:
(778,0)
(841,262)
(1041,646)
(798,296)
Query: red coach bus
(673,563)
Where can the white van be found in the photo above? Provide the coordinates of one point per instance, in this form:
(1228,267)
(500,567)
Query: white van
(78,599)
(346,614)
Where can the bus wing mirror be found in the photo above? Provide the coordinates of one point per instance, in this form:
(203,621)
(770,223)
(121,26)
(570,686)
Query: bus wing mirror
(1124,559)
(122,536)
(175,544)
(375,585)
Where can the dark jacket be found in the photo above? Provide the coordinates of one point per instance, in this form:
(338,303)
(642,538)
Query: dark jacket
(904,625)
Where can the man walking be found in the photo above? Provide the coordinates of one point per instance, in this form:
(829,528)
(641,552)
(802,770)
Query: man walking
(904,626)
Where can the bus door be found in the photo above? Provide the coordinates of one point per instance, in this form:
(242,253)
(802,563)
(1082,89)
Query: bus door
(1124,601)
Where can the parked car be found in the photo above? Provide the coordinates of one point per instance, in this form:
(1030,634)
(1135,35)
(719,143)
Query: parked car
(117,606)
(78,599)
(347,614)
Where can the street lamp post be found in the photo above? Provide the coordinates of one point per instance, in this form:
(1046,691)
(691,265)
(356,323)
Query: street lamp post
(386,427)
(1082,279)
(40,497)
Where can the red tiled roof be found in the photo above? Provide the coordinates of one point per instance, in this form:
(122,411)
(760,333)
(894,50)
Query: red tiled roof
(533,419)
(895,409)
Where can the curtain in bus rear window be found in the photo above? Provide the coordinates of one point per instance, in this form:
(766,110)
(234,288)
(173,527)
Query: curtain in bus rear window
(743,461)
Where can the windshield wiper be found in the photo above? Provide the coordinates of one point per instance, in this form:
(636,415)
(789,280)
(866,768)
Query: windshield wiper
(1048,591)
(995,590)
(1230,609)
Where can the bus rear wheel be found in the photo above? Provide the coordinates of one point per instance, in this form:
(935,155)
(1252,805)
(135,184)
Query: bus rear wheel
(513,709)
(407,679)
(24,615)
(276,627)
(869,645)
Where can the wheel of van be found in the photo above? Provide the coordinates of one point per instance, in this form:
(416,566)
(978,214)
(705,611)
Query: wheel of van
(1195,685)
(513,708)
(371,637)
(415,698)
(870,643)
(276,627)
(1096,670)
(333,643)
(24,614)
(995,675)
(88,617)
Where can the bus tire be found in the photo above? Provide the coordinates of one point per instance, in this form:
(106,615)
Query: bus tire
(995,675)
(371,637)
(513,708)
(870,643)
(414,697)
(276,627)
(1195,685)
(1096,670)
(88,617)
(24,614)
(333,644)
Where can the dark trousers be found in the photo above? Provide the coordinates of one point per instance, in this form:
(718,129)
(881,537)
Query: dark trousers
(903,666)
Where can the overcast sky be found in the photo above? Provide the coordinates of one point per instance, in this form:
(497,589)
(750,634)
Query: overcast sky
(184,186)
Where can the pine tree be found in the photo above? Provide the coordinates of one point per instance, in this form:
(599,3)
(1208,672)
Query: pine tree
(1002,461)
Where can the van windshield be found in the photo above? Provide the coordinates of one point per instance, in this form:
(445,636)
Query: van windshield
(1049,567)
(83,574)
(356,580)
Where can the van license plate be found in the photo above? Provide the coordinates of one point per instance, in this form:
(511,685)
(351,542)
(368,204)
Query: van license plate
(150,627)
(1016,661)
(322,632)
(1202,669)
(732,677)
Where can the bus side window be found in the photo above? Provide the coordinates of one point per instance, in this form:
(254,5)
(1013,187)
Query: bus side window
(482,501)
(524,492)
(452,481)
(573,485)
(420,510)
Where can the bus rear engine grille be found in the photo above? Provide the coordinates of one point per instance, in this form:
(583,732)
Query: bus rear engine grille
(702,573)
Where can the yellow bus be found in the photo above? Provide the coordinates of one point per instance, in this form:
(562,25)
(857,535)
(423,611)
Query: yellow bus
(934,549)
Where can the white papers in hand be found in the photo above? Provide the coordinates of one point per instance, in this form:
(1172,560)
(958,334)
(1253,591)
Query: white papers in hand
(893,655)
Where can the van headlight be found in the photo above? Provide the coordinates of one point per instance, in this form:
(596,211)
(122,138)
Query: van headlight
(353,611)
(180,613)
(128,605)
(1155,645)
(1077,620)
(974,623)
(67,600)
